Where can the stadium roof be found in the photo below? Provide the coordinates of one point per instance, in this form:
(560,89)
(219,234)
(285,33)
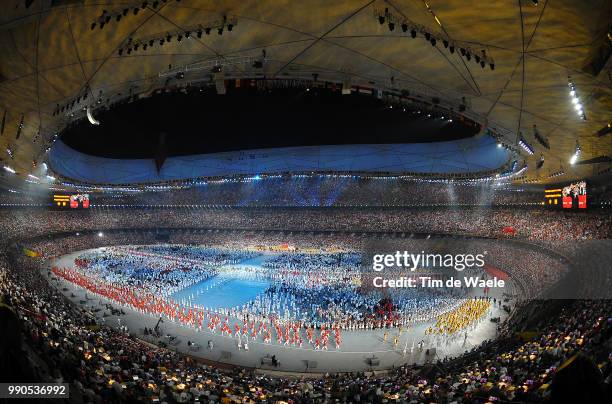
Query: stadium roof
(52,56)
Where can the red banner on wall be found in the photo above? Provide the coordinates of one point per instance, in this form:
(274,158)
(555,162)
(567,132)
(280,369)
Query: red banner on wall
(567,202)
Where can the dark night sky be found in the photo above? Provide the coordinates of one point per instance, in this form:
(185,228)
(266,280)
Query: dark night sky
(204,122)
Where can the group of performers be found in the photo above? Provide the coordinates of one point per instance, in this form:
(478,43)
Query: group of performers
(301,307)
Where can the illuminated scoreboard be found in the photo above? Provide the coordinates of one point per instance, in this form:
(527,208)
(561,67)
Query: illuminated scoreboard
(74,201)
(573,196)
(552,197)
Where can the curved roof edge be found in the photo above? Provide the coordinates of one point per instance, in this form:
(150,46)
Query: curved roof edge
(466,156)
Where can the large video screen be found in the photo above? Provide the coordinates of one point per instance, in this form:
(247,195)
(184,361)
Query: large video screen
(71,201)
(572,196)
(575,195)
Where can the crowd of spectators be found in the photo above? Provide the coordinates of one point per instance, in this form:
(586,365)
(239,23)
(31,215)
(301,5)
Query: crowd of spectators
(315,191)
(63,343)
(52,340)
(534,224)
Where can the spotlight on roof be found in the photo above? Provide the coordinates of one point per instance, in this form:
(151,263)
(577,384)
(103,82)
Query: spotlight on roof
(575,98)
(576,154)
(220,31)
(451,49)
(404,27)
(9,169)
(207,30)
(433,41)
(93,25)
(187,34)
(492,66)
(230,27)
(381,19)
(427,36)
(391,26)
(445,43)
(199,33)
(413,33)
(100,234)
(136,10)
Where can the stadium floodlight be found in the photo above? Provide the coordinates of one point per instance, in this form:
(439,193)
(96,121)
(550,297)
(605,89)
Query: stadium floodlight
(573,159)
(9,169)
(50,177)
(100,234)
(576,154)
(575,98)
(526,146)
(33,176)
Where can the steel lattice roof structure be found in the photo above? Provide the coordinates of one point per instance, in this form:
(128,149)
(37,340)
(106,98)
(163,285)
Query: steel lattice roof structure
(51,55)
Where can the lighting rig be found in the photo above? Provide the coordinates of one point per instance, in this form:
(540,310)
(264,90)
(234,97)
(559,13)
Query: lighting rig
(117,15)
(540,162)
(525,145)
(576,154)
(159,39)
(19,128)
(575,98)
(558,173)
(605,130)
(481,58)
(541,139)
(70,105)
(215,65)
